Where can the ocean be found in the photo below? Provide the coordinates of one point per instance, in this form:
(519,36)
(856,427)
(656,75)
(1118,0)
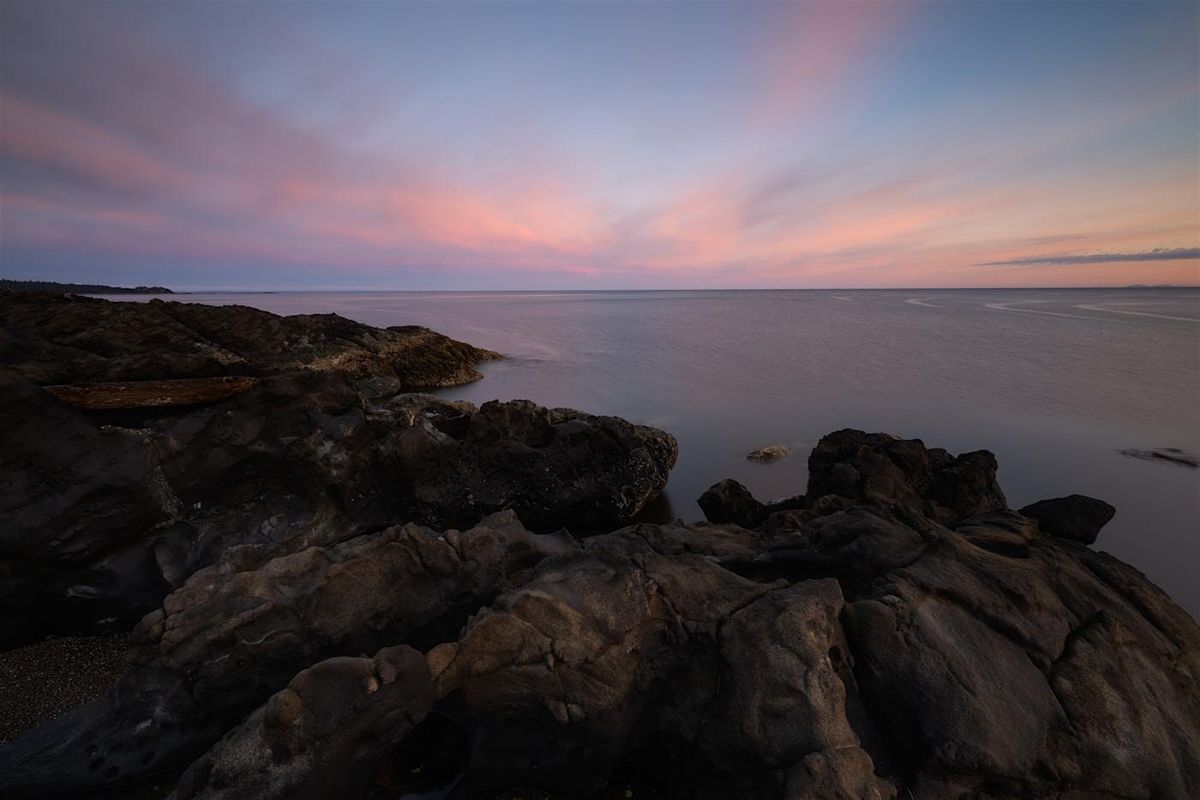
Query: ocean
(1056,382)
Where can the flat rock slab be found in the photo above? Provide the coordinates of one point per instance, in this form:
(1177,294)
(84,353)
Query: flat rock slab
(1168,455)
(150,394)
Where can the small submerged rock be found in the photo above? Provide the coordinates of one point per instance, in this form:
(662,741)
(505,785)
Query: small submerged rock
(772,452)
(1170,455)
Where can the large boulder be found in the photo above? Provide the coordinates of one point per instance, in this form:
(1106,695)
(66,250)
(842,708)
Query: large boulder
(1075,516)
(997,673)
(622,663)
(730,501)
(884,470)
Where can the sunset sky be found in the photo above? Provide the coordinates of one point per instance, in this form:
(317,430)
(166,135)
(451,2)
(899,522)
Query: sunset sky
(600,145)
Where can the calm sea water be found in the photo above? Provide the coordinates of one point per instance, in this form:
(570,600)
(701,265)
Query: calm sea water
(1055,382)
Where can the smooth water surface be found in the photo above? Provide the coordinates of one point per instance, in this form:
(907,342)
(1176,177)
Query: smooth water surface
(1055,382)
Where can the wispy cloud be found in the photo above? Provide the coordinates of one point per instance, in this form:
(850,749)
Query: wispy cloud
(805,144)
(1158,254)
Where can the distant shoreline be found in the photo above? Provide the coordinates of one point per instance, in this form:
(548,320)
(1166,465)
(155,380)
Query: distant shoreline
(161,290)
(77,288)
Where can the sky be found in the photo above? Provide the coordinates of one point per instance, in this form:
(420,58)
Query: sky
(570,145)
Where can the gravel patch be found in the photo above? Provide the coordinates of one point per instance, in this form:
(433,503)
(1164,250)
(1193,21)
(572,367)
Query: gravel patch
(43,680)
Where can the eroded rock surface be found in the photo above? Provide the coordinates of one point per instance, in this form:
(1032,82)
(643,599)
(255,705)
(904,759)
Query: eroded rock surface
(230,637)
(107,517)
(622,648)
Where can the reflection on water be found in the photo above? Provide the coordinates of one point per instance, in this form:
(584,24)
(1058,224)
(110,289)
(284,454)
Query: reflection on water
(1056,382)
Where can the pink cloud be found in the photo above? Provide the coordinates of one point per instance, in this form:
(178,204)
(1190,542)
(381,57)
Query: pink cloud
(822,48)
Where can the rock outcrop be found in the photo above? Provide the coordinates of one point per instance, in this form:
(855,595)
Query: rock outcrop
(232,636)
(884,470)
(56,339)
(107,510)
(624,654)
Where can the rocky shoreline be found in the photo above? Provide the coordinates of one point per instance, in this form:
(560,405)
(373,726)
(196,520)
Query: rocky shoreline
(336,586)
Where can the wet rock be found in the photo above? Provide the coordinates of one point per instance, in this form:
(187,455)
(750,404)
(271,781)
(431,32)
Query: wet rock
(772,452)
(323,736)
(555,467)
(1075,516)
(882,469)
(730,501)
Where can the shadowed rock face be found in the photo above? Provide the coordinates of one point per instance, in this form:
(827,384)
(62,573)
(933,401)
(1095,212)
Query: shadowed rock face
(623,647)
(230,637)
(56,339)
(323,736)
(882,469)
(730,501)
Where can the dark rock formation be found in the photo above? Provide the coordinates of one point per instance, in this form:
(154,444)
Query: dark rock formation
(323,736)
(884,470)
(623,649)
(230,637)
(55,339)
(108,510)
(894,632)
(1075,517)
(730,501)
(712,661)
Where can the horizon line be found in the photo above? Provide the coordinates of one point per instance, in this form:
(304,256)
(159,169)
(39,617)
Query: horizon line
(327,290)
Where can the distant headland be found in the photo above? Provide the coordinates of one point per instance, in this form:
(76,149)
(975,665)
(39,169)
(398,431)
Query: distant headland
(77,288)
